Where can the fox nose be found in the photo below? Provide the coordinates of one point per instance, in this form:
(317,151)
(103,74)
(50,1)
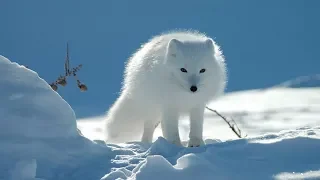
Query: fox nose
(193,88)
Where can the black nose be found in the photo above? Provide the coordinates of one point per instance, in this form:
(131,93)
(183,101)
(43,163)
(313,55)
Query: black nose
(193,88)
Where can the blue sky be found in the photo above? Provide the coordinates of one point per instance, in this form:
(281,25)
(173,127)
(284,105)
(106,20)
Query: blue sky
(264,42)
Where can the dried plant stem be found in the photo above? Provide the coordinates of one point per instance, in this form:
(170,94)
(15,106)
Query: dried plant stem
(232,124)
(62,79)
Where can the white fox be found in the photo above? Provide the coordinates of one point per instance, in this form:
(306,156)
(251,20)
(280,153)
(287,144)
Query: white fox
(173,74)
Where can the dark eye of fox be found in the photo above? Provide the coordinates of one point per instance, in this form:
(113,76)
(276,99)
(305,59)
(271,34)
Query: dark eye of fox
(183,70)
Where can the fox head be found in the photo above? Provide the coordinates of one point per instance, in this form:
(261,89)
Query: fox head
(194,65)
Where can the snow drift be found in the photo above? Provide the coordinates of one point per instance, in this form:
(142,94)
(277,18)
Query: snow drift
(39,141)
(38,135)
(29,107)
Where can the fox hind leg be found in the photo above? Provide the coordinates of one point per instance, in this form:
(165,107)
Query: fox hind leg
(148,130)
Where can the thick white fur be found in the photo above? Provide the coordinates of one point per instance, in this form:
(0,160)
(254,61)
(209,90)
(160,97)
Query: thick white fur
(156,90)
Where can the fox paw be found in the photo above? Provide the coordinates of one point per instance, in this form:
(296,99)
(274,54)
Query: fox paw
(195,142)
(176,142)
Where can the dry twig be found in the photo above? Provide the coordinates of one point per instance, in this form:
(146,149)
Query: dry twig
(62,80)
(232,124)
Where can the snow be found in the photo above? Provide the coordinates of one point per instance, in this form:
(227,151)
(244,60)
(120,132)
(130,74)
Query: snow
(256,112)
(40,141)
(263,157)
(25,169)
(29,108)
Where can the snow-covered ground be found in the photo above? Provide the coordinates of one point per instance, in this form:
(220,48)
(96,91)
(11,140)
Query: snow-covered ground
(39,138)
(256,112)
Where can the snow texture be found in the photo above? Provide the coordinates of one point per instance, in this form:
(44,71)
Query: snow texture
(39,140)
(29,108)
(257,112)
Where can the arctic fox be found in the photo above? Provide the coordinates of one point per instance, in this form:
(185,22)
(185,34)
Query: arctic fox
(173,74)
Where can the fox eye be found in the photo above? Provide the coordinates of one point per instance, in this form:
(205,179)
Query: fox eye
(183,70)
(202,70)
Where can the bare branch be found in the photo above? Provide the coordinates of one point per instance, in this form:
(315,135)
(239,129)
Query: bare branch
(62,80)
(232,124)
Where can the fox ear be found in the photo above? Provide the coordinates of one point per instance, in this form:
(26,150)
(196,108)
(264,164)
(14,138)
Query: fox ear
(173,47)
(209,43)
(174,42)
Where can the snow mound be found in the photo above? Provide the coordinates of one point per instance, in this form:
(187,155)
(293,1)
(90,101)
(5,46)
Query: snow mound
(39,136)
(302,81)
(29,107)
(286,155)
(25,169)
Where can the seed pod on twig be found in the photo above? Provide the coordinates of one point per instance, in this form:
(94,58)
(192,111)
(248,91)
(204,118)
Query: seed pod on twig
(62,82)
(82,87)
(54,87)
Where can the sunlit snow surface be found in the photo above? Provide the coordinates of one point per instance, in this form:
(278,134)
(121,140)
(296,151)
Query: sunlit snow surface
(255,111)
(39,139)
